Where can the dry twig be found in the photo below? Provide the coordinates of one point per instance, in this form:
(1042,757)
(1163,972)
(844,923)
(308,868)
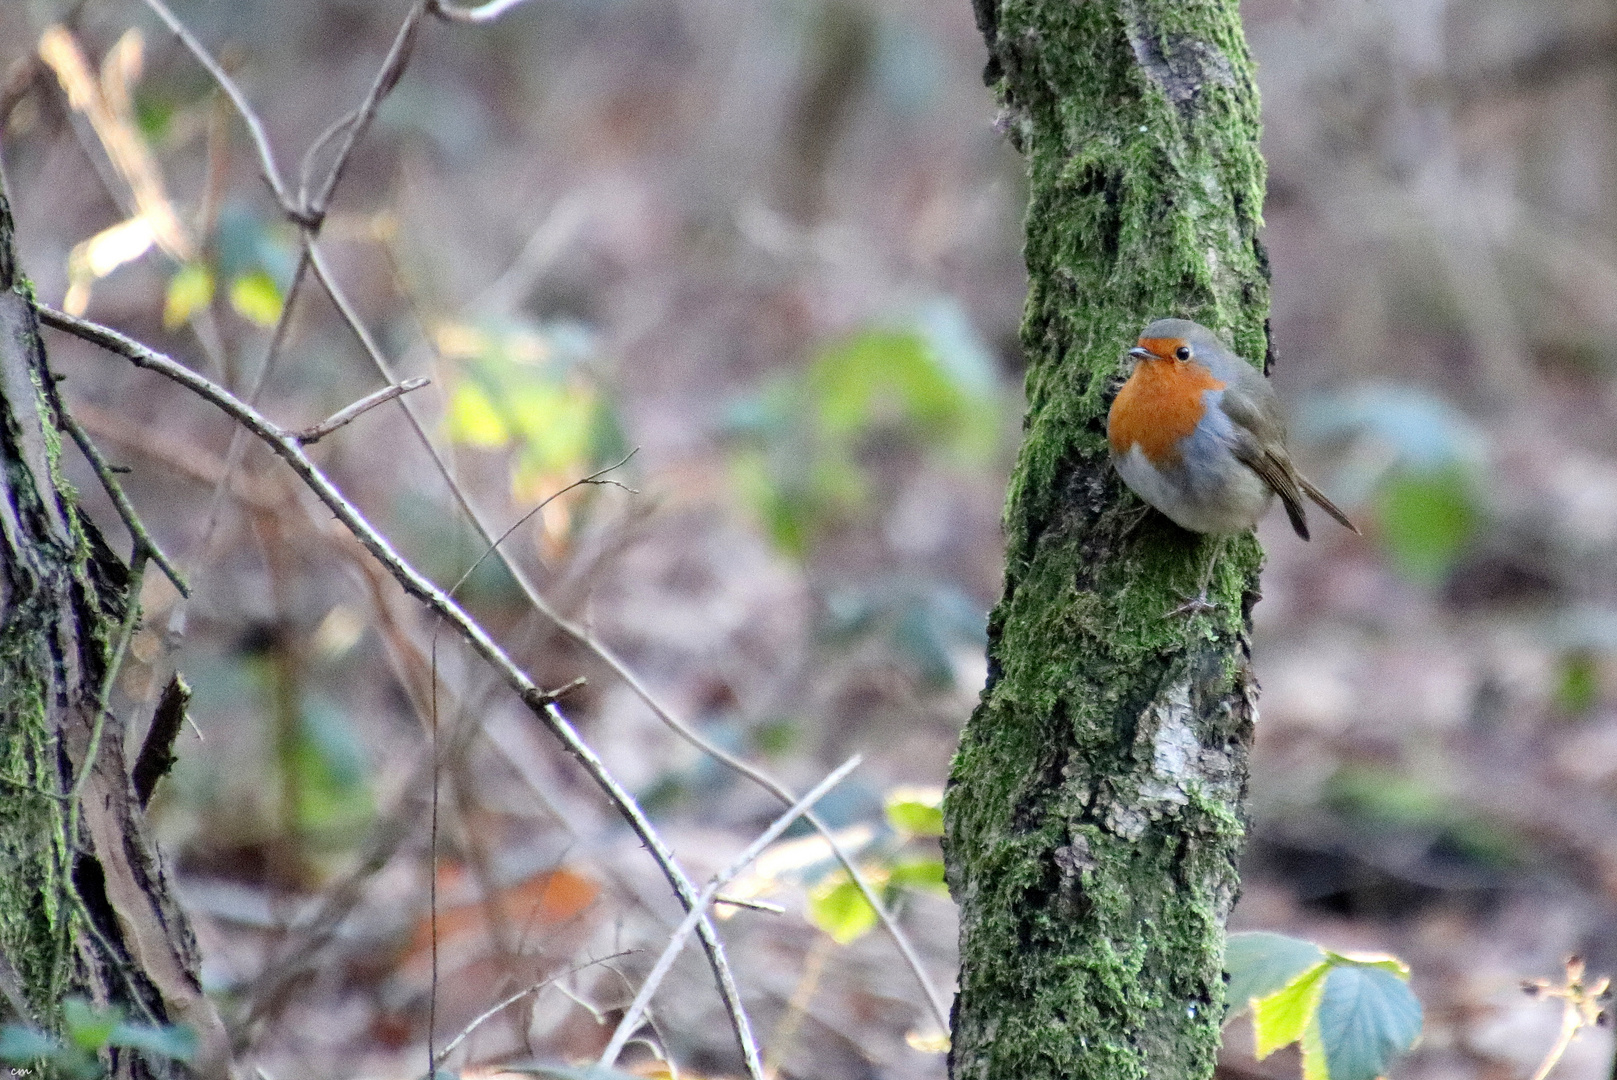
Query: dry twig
(682,933)
(1583,1006)
(359,408)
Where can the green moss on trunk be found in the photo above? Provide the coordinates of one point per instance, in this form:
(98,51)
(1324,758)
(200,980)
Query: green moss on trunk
(1095,807)
(84,906)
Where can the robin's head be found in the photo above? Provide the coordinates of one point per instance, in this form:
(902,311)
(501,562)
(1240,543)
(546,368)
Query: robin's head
(1177,341)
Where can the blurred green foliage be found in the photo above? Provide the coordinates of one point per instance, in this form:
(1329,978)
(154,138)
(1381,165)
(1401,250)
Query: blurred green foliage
(525,386)
(1577,686)
(1426,520)
(1376,798)
(254,255)
(797,443)
(86,1032)
(1419,461)
(925,621)
(836,903)
(328,777)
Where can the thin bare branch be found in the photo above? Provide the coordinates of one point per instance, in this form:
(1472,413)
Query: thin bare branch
(359,408)
(540,702)
(682,933)
(449,1047)
(752,905)
(567,217)
(387,77)
(592,478)
(482,13)
(137,529)
(306,170)
(255,126)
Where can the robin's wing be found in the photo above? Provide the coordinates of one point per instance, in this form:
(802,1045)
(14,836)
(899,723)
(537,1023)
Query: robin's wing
(1255,410)
(1259,429)
(1276,476)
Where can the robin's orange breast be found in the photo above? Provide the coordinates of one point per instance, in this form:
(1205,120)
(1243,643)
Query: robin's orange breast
(1159,405)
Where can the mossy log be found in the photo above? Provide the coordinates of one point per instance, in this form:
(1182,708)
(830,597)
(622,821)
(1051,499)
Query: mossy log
(1095,808)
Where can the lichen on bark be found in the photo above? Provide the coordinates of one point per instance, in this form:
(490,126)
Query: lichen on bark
(1094,812)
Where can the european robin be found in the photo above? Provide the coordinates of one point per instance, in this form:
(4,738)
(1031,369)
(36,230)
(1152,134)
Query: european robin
(1197,433)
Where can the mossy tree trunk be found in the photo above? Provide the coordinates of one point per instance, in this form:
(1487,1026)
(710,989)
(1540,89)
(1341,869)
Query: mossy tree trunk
(84,907)
(1095,807)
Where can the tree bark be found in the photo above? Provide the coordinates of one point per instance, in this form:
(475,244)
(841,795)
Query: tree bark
(1095,809)
(84,906)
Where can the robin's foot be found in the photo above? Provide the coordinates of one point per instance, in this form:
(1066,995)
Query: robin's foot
(1196,605)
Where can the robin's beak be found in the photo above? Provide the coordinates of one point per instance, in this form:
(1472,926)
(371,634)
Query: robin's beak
(1140,352)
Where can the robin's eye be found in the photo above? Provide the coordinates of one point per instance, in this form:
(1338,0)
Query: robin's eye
(1183,352)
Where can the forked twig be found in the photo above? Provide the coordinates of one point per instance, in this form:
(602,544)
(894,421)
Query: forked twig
(682,933)
(485,1017)
(1583,1005)
(592,478)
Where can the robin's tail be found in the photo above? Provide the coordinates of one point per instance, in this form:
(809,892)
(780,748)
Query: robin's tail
(1325,504)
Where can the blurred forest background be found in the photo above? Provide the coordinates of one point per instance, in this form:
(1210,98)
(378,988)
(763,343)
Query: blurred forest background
(773,246)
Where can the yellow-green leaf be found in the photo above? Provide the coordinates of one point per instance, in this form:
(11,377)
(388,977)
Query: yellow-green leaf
(256,298)
(189,291)
(1316,1066)
(557,421)
(1260,963)
(1385,961)
(925,875)
(840,909)
(1280,1019)
(473,419)
(916,811)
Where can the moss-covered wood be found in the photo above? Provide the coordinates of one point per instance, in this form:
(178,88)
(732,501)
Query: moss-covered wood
(1095,809)
(84,908)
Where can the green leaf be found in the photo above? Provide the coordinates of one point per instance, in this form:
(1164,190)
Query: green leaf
(1315,1066)
(1261,964)
(473,419)
(925,875)
(841,910)
(175,1041)
(916,811)
(1578,688)
(887,378)
(1280,1019)
(256,298)
(1366,1016)
(189,291)
(20,1044)
(1426,519)
(87,1026)
(328,775)
(557,423)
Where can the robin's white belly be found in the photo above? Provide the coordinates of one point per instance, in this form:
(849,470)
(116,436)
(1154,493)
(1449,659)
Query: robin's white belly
(1211,496)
